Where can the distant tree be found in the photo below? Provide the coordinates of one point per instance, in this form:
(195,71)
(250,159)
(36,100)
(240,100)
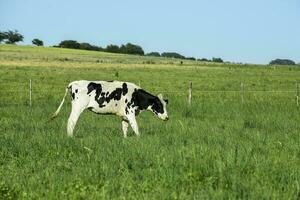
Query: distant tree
(172,55)
(87,46)
(112,48)
(98,48)
(13,36)
(37,42)
(282,62)
(203,60)
(123,49)
(190,58)
(131,49)
(156,54)
(71,44)
(2,36)
(218,60)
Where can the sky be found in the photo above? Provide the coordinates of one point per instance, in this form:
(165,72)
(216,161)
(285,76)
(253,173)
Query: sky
(248,31)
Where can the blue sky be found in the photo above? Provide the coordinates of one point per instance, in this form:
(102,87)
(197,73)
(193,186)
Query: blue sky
(250,31)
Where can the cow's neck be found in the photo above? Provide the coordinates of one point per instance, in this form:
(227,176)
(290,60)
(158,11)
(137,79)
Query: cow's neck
(144,100)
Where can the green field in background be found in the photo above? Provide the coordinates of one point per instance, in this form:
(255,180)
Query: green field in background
(218,148)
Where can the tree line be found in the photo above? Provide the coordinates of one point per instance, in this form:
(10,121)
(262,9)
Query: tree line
(125,49)
(282,62)
(12,37)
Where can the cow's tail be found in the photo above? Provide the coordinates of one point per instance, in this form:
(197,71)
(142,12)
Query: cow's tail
(60,106)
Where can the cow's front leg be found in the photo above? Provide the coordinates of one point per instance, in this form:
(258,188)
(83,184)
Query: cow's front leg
(133,124)
(125,127)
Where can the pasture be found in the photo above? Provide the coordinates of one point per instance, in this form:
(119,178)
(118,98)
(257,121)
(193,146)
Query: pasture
(219,148)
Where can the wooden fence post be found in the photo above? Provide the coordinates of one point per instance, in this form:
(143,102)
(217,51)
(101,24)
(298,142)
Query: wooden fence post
(297,94)
(190,94)
(242,92)
(30,92)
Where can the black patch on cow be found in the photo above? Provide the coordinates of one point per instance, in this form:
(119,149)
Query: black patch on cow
(94,86)
(126,100)
(115,95)
(76,90)
(101,101)
(110,81)
(102,97)
(71,93)
(125,89)
(158,106)
(143,99)
(116,104)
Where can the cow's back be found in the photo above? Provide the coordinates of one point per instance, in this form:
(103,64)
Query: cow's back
(103,97)
(106,85)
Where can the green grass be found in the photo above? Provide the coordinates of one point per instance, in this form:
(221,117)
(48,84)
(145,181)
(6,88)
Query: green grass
(219,148)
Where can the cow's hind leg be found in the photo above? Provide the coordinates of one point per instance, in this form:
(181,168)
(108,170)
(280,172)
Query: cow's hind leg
(75,113)
(125,127)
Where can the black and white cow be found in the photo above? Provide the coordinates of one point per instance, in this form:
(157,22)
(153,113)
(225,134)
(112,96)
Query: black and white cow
(123,99)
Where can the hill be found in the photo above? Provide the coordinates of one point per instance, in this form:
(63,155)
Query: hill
(60,57)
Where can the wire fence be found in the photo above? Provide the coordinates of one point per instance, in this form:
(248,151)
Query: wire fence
(29,94)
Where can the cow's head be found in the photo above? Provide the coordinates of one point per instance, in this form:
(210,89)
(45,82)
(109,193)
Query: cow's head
(159,107)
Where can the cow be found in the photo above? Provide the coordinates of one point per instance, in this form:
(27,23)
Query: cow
(123,99)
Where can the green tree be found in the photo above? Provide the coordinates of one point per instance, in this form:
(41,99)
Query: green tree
(2,36)
(203,60)
(218,60)
(131,49)
(13,36)
(156,54)
(123,49)
(87,46)
(37,42)
(71,44)
(282,62)
(190,58)
(112,48)
(172,55)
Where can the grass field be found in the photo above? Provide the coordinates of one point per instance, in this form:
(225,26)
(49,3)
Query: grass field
(219,148)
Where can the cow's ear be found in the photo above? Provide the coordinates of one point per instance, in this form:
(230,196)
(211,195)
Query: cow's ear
(166,100)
